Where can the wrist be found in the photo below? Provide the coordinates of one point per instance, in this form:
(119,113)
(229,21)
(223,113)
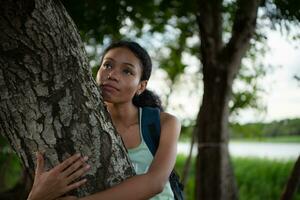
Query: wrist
(31,196)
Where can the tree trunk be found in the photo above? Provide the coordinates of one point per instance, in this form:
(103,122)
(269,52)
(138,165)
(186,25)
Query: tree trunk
(49,100)
(221,62)
(292,183)
(213,163)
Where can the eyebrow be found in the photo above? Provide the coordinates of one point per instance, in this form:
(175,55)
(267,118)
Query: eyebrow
(129,64)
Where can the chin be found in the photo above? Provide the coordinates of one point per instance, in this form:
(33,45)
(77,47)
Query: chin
(106,99)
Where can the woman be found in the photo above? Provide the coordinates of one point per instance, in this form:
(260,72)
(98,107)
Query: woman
(123,75)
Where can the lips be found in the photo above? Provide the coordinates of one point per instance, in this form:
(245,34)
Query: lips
(109,87)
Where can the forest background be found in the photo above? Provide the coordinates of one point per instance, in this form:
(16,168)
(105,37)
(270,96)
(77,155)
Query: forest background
(169,31)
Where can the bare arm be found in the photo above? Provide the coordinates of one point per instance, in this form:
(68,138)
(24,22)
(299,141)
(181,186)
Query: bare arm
(149,184)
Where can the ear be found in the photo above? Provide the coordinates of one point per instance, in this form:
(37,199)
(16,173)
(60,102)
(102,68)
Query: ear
(142,87)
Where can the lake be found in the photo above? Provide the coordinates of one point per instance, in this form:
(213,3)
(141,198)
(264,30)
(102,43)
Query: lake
(255,149)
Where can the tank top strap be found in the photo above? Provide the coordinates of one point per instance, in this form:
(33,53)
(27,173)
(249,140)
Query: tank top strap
(140,123)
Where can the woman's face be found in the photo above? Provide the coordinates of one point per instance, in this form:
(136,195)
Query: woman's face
(119,76)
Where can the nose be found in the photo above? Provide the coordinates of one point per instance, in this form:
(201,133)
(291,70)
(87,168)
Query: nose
(113,75)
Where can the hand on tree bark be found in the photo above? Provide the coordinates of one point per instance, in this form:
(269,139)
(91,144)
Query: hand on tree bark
(50,185)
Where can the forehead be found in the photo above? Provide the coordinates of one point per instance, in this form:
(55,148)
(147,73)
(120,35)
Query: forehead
(123,55)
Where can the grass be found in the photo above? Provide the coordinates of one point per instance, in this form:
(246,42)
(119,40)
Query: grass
(257,179)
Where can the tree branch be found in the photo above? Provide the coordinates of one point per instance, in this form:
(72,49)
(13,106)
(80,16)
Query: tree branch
(242,31)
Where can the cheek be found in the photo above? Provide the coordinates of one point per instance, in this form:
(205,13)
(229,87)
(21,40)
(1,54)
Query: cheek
(99,77)
(132,87)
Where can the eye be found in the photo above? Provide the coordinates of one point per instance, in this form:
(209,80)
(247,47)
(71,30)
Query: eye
(128,71)
(107,65)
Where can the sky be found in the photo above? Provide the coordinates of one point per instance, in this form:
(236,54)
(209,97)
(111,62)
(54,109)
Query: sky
(282,91)
(282,96)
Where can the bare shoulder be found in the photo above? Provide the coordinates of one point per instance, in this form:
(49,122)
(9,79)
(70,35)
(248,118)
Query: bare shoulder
(168,119)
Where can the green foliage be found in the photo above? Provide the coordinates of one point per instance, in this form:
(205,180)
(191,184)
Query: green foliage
(287,130)
(247,89)
(104,19)
(256,178)
(101,22)
(262,179)
(247,130)
(173,65)
(10,166)
(284,127)
(284,15)
(281,139)
(288,127)
(279,10)
(186,133)
(94,71)
(190,186)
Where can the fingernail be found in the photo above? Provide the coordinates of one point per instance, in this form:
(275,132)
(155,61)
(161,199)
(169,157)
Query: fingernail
(78,155)
(87,166)
(85,158)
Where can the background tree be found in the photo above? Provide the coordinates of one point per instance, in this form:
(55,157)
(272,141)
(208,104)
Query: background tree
(221,62)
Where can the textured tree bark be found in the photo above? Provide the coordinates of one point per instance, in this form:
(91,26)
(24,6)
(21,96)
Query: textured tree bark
(49,100)
(221,62)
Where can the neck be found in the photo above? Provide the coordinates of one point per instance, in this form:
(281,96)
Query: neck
(123,114)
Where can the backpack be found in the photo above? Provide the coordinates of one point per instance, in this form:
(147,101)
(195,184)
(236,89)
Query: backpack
(151,134)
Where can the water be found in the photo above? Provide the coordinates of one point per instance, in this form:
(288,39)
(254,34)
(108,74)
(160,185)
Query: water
(255,149)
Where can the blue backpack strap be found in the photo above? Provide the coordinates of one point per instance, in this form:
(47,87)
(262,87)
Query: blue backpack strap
(151,127)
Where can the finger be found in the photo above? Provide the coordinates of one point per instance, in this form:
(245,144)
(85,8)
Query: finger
(62,166)
(39,163)
(75,185)
(76,165)
(78,173)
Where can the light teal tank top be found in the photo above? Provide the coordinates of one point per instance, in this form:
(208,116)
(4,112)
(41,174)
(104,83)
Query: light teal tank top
(141,159)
